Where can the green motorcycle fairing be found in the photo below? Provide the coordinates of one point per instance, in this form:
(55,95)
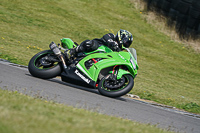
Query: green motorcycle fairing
(109,59)
(67,43)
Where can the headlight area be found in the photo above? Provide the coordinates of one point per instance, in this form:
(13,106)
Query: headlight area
(133,63)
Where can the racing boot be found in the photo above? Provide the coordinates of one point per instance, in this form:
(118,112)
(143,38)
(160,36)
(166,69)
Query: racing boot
(70,53)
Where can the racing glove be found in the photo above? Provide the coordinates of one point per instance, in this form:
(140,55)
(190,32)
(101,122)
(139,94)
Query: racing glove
(113,45)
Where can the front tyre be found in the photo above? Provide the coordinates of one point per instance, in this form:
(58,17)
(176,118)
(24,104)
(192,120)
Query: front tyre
(45,65)
(108,88)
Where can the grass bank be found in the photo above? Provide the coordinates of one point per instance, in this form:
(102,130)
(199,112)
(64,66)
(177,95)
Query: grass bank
(169,71)
(24,114)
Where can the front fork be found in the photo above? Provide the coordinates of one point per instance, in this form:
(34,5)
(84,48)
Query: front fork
(113,75)
(117,73)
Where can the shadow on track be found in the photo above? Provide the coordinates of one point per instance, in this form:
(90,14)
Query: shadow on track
(88,89)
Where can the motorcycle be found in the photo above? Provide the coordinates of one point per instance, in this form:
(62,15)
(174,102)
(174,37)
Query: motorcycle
(112,73)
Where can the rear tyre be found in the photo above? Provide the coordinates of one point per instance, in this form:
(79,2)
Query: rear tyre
(45,65)
(124,85)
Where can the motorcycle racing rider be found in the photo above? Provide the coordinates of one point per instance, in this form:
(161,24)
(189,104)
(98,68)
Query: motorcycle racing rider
(123,39)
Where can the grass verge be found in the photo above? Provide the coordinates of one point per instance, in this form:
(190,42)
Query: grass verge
(24,114)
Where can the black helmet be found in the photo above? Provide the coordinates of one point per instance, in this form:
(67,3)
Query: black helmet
(124,38)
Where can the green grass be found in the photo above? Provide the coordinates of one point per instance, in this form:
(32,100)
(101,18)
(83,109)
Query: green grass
(169,72)
(24,114)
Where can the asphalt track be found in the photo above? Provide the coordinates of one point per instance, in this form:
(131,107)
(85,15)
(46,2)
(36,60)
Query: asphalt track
(16,77)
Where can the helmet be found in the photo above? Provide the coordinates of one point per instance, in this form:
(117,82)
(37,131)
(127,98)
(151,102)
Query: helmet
(124,38)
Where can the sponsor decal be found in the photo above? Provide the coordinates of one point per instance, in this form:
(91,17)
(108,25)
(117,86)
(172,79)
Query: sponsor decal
(121,57)
(82,77)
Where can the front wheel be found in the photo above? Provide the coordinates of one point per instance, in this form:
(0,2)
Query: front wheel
(45,65)
(110,88)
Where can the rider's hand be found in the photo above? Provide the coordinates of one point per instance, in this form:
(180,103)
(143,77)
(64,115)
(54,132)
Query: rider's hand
(114,45)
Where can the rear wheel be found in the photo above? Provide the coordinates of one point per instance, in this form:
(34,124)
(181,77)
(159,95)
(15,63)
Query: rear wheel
(119,88)
(45,65)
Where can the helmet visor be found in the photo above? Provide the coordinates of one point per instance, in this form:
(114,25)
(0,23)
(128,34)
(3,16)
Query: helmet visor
(126,42)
